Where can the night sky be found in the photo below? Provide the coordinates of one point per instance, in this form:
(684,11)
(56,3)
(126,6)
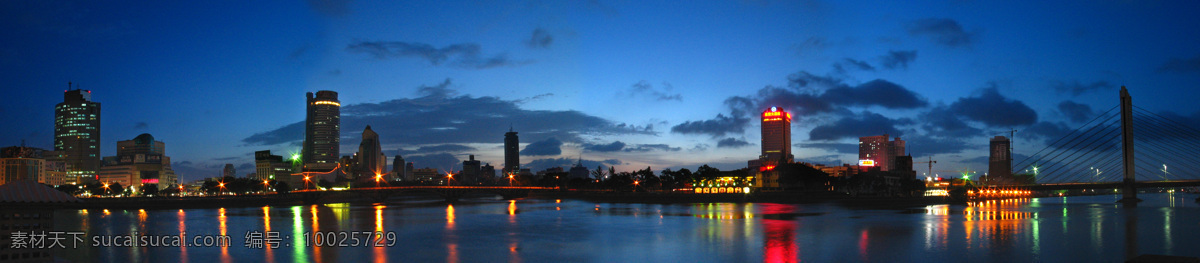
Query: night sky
(625,83)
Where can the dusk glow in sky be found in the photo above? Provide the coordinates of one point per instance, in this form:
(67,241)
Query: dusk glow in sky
(625,83)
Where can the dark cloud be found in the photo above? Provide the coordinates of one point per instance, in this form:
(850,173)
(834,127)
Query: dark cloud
(543,164)
(335,8)
(898,59)
(611,147)
(466,55)
(718,126)
(732,143)
(1076,88)
(246,168)
(804,79)
(441,117)
(851,148)
(924,146)
(1075,112)
(141,125)
(535,97)
(540,39)
(643,88)
(1047,131)
(876,92)
(652,147)
(442,161)
(1184,65)
(941,121)
(993,109)
(943,31)
(440,148)
(550,146)
(857,125)
(840,67)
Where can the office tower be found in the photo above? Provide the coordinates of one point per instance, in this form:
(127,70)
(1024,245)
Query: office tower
(512,149)
(1000,159)
(878,151)
(22,163)
(77,135)
(139,163)
(487,172)
(268,166)
(322,128)
(776,136)
(398,166)
(229,171)
(470,170)
(371,160)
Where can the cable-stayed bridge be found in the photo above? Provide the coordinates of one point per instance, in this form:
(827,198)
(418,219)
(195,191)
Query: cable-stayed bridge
(1125,147)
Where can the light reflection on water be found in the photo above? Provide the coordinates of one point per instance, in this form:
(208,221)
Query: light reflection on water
(1048,229)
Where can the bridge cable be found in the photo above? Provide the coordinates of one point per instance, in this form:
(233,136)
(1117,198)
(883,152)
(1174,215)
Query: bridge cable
(1073,148)
(1025,163)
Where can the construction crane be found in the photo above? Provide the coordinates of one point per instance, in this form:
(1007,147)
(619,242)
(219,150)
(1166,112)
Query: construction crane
(930,162)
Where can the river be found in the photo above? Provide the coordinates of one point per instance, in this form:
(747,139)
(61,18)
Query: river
(1067,229)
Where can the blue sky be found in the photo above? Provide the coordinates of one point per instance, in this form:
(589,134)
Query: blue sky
(625,83)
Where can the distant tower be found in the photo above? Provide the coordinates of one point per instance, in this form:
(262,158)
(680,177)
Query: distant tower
(77,135)
(398,166)
(470,170)
(371,160)
(1000,159)
(229,171)
(512,159)
(322,128)
(776,136)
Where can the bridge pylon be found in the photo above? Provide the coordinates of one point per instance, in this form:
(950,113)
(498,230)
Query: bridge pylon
(1128,189)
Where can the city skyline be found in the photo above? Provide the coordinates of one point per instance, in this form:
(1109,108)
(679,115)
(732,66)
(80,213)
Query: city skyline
(618,84)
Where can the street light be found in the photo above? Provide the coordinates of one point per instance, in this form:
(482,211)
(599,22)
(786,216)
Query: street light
(510,179)
(377,178)
(449,178)
(106,188)
(266,185)
(306,181)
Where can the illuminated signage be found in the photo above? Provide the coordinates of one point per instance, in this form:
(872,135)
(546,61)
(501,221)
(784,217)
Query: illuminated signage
(766,168)
(149,181)
(774,114)
(319,102)
(866,162)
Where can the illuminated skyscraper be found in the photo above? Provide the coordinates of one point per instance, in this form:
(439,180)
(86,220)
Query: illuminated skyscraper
(322,128)
(140,162)
(776,136)
(877,151)
(77,135)
(512,150)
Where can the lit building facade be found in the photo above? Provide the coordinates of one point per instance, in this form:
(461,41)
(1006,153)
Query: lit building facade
(322,131)
(268,166)
(879,151)
(776,148)
(512,150)
(77,135)
(141,162)
(22,163)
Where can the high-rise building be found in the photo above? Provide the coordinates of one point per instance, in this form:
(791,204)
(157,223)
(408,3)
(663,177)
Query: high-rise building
(229,171)
(398,171)
(776,136)
(776,148)
(22,163)
(371,160)
(487,172)
(470,170)
(1000,159)
(140,162)
(512,150)
(878,151)
(322,128)
(579,171)
(268,166)
(408,172)
(77,135)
